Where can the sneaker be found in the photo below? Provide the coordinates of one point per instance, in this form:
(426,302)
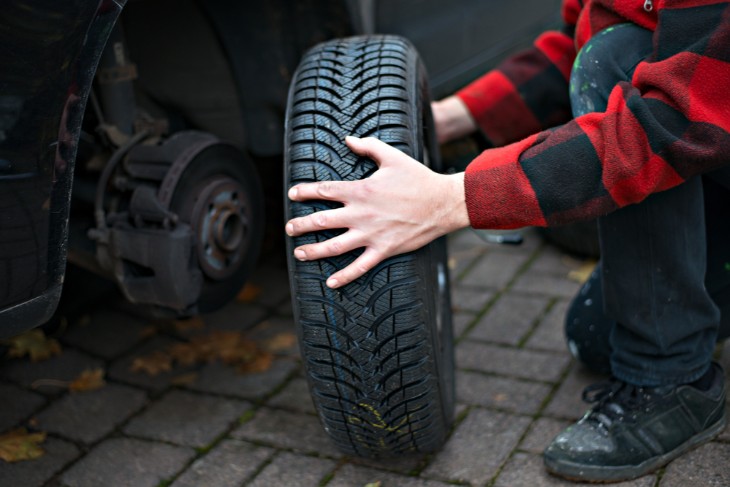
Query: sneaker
(632,431)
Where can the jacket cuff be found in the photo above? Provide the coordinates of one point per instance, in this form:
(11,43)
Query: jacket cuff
(498,193)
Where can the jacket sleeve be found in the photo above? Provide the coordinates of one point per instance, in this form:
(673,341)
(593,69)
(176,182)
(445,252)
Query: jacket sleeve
(671,122)
(528,92)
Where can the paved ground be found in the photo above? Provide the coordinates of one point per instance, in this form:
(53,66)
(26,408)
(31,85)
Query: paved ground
(211,426)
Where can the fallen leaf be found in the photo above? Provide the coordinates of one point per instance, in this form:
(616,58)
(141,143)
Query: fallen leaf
(152,364)
(374,484)
(184,379)
(248,294)
(194,323)
(282,341)
(582,274)
(19,445)
(34,344)
(260,363)
(184,353)
(231,347)
(88,380)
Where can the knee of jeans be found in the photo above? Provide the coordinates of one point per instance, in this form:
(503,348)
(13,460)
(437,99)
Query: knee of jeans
(587,329)
(606,59)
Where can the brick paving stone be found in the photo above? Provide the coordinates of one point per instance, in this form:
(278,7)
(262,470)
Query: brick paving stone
(107,333)
(545,285)
(273,280)
(469,299)
(553,261)
(127,462)
(295,396)
(35,473)
(290,470)
(64,367)
(283,429)
(464,240)
(567,402)
(16,405)
(707,466)
(516,396)
(461,322)
(494,270)
(273,327)
(218,378)
(480,444)
(121,369)
(353,475)
(511,317)
(526,364)
(549,334)
(227,465)
(461,262)
(235,317)
(185,418)
(403,464)
(525,469)
(89,416)
(542,432)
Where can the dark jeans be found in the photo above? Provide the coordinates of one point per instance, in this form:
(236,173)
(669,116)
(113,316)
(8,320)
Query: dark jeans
(651,313)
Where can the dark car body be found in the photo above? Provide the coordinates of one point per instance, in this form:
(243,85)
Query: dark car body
(214,66)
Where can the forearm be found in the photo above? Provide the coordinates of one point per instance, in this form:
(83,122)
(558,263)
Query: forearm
(452,119)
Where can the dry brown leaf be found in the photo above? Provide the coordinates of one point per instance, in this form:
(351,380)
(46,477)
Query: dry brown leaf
(248,294)
(184,353)
(194,323)
(260,363)
(35,345)
(152,364)
(184,379)
(582,274)
(231,347)
(19,445)
(282,341)
(88,380)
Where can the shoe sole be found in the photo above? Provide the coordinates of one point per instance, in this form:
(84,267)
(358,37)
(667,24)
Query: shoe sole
(599,475)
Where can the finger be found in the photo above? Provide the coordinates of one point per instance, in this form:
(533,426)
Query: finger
(324,190)
(375,149)
(359,267)
(335,246)
(320,220)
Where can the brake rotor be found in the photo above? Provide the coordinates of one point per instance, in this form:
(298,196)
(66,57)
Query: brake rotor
(213,187)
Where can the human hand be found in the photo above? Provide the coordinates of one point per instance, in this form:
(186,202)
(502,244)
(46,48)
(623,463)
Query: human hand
(451,119)
(401,207)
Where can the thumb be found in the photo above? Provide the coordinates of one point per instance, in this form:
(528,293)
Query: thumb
(375,149)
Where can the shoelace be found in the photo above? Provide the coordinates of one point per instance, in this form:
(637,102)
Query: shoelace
(613,400)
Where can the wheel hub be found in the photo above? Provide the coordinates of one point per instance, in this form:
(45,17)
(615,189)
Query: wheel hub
(221,225)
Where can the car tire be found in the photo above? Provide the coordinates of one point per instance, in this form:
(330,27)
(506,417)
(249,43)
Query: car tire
(378,352)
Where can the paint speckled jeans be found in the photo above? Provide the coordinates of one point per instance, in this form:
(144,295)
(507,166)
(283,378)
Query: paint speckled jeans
(652,311)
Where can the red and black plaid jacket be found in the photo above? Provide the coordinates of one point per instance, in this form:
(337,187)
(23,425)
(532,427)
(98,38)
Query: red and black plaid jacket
(670,123)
